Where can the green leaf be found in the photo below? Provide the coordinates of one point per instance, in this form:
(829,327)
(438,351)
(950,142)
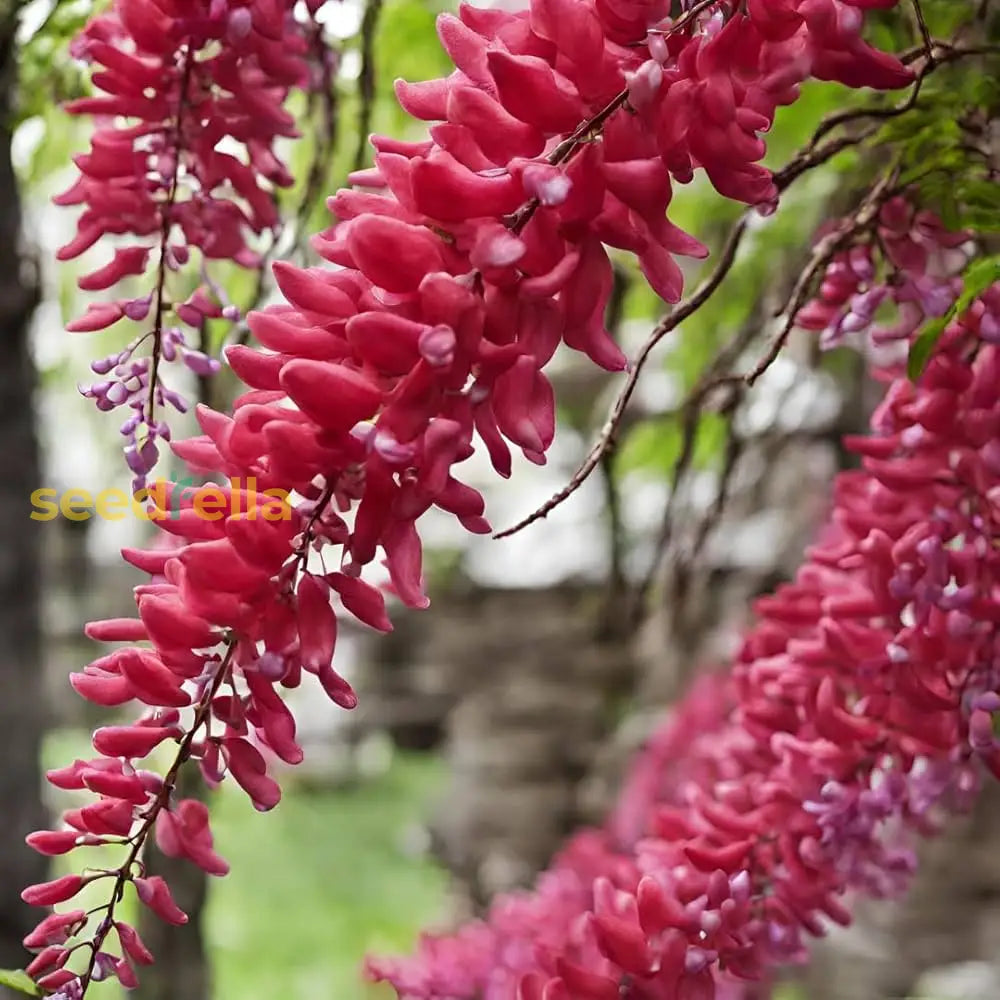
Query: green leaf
(16,979)
(980,274)
(923,346)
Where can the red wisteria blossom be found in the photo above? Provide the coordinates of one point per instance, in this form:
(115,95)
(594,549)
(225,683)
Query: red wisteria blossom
(179,84)
(462,261)
(859,706)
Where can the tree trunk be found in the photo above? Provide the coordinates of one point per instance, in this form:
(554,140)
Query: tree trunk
(23,715)
(181,971)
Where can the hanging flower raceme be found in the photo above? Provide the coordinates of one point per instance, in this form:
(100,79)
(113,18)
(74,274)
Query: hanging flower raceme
(182,163)
(463,262)
(920,277)
(864,700)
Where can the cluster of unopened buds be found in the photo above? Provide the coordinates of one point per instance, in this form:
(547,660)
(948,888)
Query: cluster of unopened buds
(463,261)
(913,264)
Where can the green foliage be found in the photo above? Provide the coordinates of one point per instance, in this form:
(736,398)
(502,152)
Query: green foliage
(652,447)
(330,867)
(977,277)
(407,48)
(47,73)
(19,981)
(937,143)
(789,991)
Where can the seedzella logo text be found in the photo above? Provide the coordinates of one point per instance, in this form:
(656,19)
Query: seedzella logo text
(163,500)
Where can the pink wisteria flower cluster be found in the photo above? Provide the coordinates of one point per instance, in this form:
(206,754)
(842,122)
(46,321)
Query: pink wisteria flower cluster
(859,708)
(182,162)
(920,276)
(462,262)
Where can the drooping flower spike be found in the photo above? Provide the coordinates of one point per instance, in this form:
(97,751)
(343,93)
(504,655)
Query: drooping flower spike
(463,262)
(859,709)
(182,163)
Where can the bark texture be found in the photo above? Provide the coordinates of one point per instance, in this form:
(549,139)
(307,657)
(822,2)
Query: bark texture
(22,702)
(182,969)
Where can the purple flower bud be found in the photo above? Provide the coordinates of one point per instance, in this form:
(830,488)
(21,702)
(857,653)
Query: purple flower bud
(657,46)
(188,314)
(912,436)
(117,394)
(935,298)
(852,322)
(959,599)
(363,431)
(988,701)
(897,653)
(496,247)
(864,304)
(102,366)
(149,453)
(989,328)
(104,966)
(200,364)
(138,309)
(437,345)
(959,624)
(97,389)
(981,736)
(739,886)
(175,399)
(644,84)
(395,453)
(546,183)
(860,261)
(832,791)
(271,666)
(134,461)
(698,959)
(231,312)
(240,23)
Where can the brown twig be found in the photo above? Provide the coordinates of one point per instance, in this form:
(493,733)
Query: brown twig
(123,875)
(366,79)
(567,148)
(935,56)
(711,380)
(686,19)
(819,260)
(609,432)
(925,35)
(717,376)
(808,158)
(166,225)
